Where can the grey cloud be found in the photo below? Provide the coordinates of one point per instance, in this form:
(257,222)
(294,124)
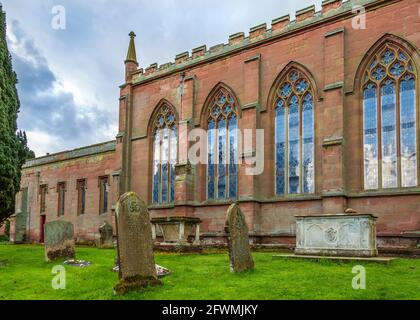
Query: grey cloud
(42,107)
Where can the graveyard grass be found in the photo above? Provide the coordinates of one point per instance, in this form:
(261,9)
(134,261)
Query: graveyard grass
(25,275)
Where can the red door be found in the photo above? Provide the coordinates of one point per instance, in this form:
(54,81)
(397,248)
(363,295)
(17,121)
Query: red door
(41,235)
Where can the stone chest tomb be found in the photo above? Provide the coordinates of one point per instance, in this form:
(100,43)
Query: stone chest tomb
(352,235)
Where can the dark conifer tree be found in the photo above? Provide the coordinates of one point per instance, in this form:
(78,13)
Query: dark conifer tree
(13,145)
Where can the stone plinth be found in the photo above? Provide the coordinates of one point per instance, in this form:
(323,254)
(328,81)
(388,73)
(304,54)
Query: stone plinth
(351,235)
(176,230)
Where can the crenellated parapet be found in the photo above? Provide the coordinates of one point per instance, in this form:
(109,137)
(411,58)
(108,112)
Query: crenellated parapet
(305,17)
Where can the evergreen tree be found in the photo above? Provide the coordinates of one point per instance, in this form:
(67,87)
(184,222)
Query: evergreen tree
(24,152)
(13,148)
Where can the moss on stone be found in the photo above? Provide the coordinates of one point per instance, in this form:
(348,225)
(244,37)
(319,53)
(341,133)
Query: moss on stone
(136,283)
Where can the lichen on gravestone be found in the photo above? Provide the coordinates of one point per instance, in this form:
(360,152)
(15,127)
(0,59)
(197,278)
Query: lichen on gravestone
(135,245)
(238,240)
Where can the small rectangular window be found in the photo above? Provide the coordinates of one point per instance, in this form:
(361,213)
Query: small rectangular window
(81,196)
(61,189)
(43,195)
(104,190)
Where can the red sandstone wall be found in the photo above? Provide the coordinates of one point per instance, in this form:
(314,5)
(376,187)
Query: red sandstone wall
(327,60)
(90,168)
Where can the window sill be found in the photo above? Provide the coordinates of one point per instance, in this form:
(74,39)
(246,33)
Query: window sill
(291,198)
(161,206)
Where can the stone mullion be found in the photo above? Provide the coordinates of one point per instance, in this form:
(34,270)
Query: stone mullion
(168,181)
(379,125)
(398,132)
(160,165)
(300,112)
(286,167)
(227,159)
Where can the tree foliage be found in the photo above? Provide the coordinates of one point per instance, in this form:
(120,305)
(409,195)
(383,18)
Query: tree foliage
(13,146)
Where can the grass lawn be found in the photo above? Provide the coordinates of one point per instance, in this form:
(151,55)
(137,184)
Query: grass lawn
(25,275)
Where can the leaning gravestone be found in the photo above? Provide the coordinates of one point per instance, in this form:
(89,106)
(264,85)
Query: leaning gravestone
(135,246)
(238,240)
(106,239)
(59,240)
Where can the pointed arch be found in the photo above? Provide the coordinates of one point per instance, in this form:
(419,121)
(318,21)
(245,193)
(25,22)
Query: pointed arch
(387,87)
(272,95)
(158,108)
(212,96)
(220,117)
(292,97)
(386,39)
(163,130)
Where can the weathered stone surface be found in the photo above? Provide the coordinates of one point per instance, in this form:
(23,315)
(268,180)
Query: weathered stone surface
(59,240)
(238,240)
(106,233)
(135,246)
(177,230)
(351,235)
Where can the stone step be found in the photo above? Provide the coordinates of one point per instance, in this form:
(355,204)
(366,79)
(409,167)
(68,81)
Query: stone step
(382,260)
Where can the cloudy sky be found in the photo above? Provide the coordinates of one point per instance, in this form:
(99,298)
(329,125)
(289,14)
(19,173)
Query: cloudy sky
(68,79)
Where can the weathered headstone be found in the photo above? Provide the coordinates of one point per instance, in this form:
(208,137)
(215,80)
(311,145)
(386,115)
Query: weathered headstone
(135,246)
(106,233)
(238,240)
(59,240)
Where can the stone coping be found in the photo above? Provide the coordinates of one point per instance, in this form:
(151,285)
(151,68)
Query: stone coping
(72,154)
(176,219)
(338,215)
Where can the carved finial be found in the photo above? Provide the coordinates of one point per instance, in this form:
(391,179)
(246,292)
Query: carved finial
(131,53)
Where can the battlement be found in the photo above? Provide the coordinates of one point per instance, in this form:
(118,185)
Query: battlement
(238,41)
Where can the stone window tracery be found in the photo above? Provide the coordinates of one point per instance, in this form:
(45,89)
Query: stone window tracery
(294,135)
(165,155)
(389,120)
(222,124)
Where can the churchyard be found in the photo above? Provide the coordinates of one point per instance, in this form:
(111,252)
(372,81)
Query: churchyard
(26,275)
(135,269)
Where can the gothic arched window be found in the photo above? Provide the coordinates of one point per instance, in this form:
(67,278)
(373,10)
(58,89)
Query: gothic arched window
(165,154)
(294,135)
(222,124)
(389,120)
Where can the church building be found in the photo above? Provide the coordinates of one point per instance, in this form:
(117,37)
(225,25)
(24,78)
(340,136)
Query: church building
(335,94)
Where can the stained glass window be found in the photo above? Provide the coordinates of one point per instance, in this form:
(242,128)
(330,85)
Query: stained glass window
(222,147)
(389,121)
(294,136)
(165,155)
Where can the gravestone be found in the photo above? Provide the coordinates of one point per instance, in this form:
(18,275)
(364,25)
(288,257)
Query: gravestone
(106,239)
(238,240)
(135,246)
(59,240)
